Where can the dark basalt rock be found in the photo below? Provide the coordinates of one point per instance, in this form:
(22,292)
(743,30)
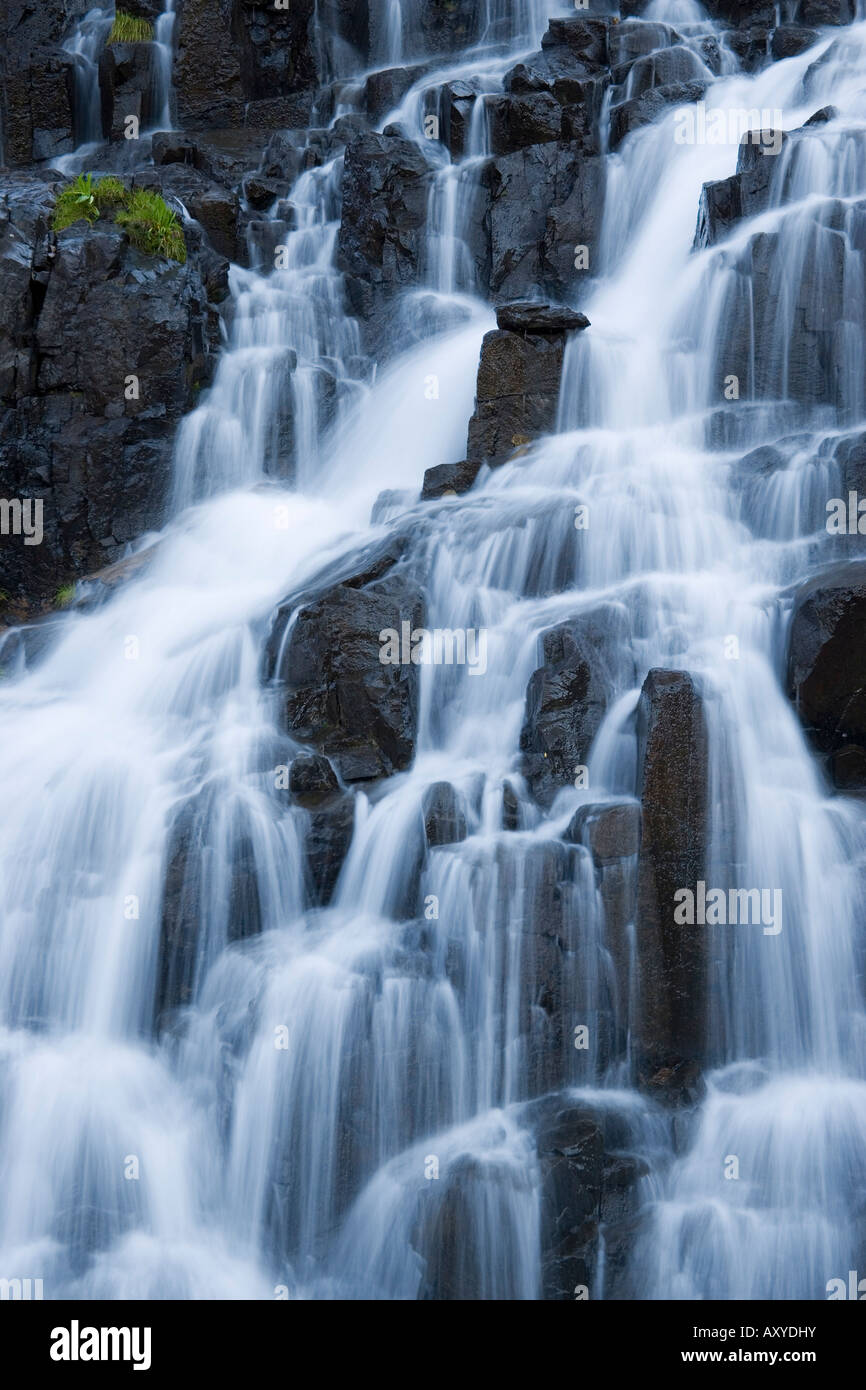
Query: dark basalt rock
(190,856)
(791,39)
(725,203)
(259,63)
(444,817)
(826,12)
(827,669)
(447,478)
(212,205)
(672,959)
(544,202)
(531,317)
(83,314)
(585,1183)
(519,374)
(643,110)
(127,86)
(385,89)
(341,698)
(611,833)
(381,244)
(565,702)
(36,90)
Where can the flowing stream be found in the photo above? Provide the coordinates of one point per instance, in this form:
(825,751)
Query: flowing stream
(224,1158)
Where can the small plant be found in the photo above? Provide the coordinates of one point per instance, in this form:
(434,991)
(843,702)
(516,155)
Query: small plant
(75,202)
(64,596)
(128,29)
(148,221)
(152,226)
(110,193)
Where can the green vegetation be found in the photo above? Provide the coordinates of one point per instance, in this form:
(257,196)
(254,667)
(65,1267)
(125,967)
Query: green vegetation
(127,29)
(110,193)
(148,221)
(152,226)
(64,596)
(76,201)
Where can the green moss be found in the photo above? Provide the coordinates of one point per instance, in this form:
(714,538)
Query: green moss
(148,221)
(151,226)
(127,29)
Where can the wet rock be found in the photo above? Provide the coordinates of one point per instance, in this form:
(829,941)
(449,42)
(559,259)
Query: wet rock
(746,193)
(742,12)
(127,85)
(340,697)
(385,89)
(517,391)
(827,669)
(103,353)
(190,857)
(611,833)
(585,36)
(565,702)
(456,107)
(444,817)
(518,121)
(36,91)
(532,317)
(826,12)
(544,202)
(210,203)
(381,243)
(258,62)
(671,959)
(312,780)
(791,39)
(446,478)
(643,110)
(584,1183)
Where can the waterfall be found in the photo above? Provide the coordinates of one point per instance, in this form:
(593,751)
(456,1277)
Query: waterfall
(314,1098)
(85,44)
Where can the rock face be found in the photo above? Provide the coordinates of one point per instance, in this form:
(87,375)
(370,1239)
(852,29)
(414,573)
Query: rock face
(672,959)
(827,669)
(341,698)
(444,817)
(102,350)
(36,104)
(586,1181)
(381,243)
(518,379)
(545,202)
(565,702)
(745,194)
(245,62)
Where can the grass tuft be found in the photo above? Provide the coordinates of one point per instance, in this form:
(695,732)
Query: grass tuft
(148,221)
(152,226)
(128,29)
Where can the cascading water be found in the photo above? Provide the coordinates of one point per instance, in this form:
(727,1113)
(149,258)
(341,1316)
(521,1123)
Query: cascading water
(147,728)
(85,45)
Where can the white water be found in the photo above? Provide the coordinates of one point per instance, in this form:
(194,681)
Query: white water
(304,1165)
